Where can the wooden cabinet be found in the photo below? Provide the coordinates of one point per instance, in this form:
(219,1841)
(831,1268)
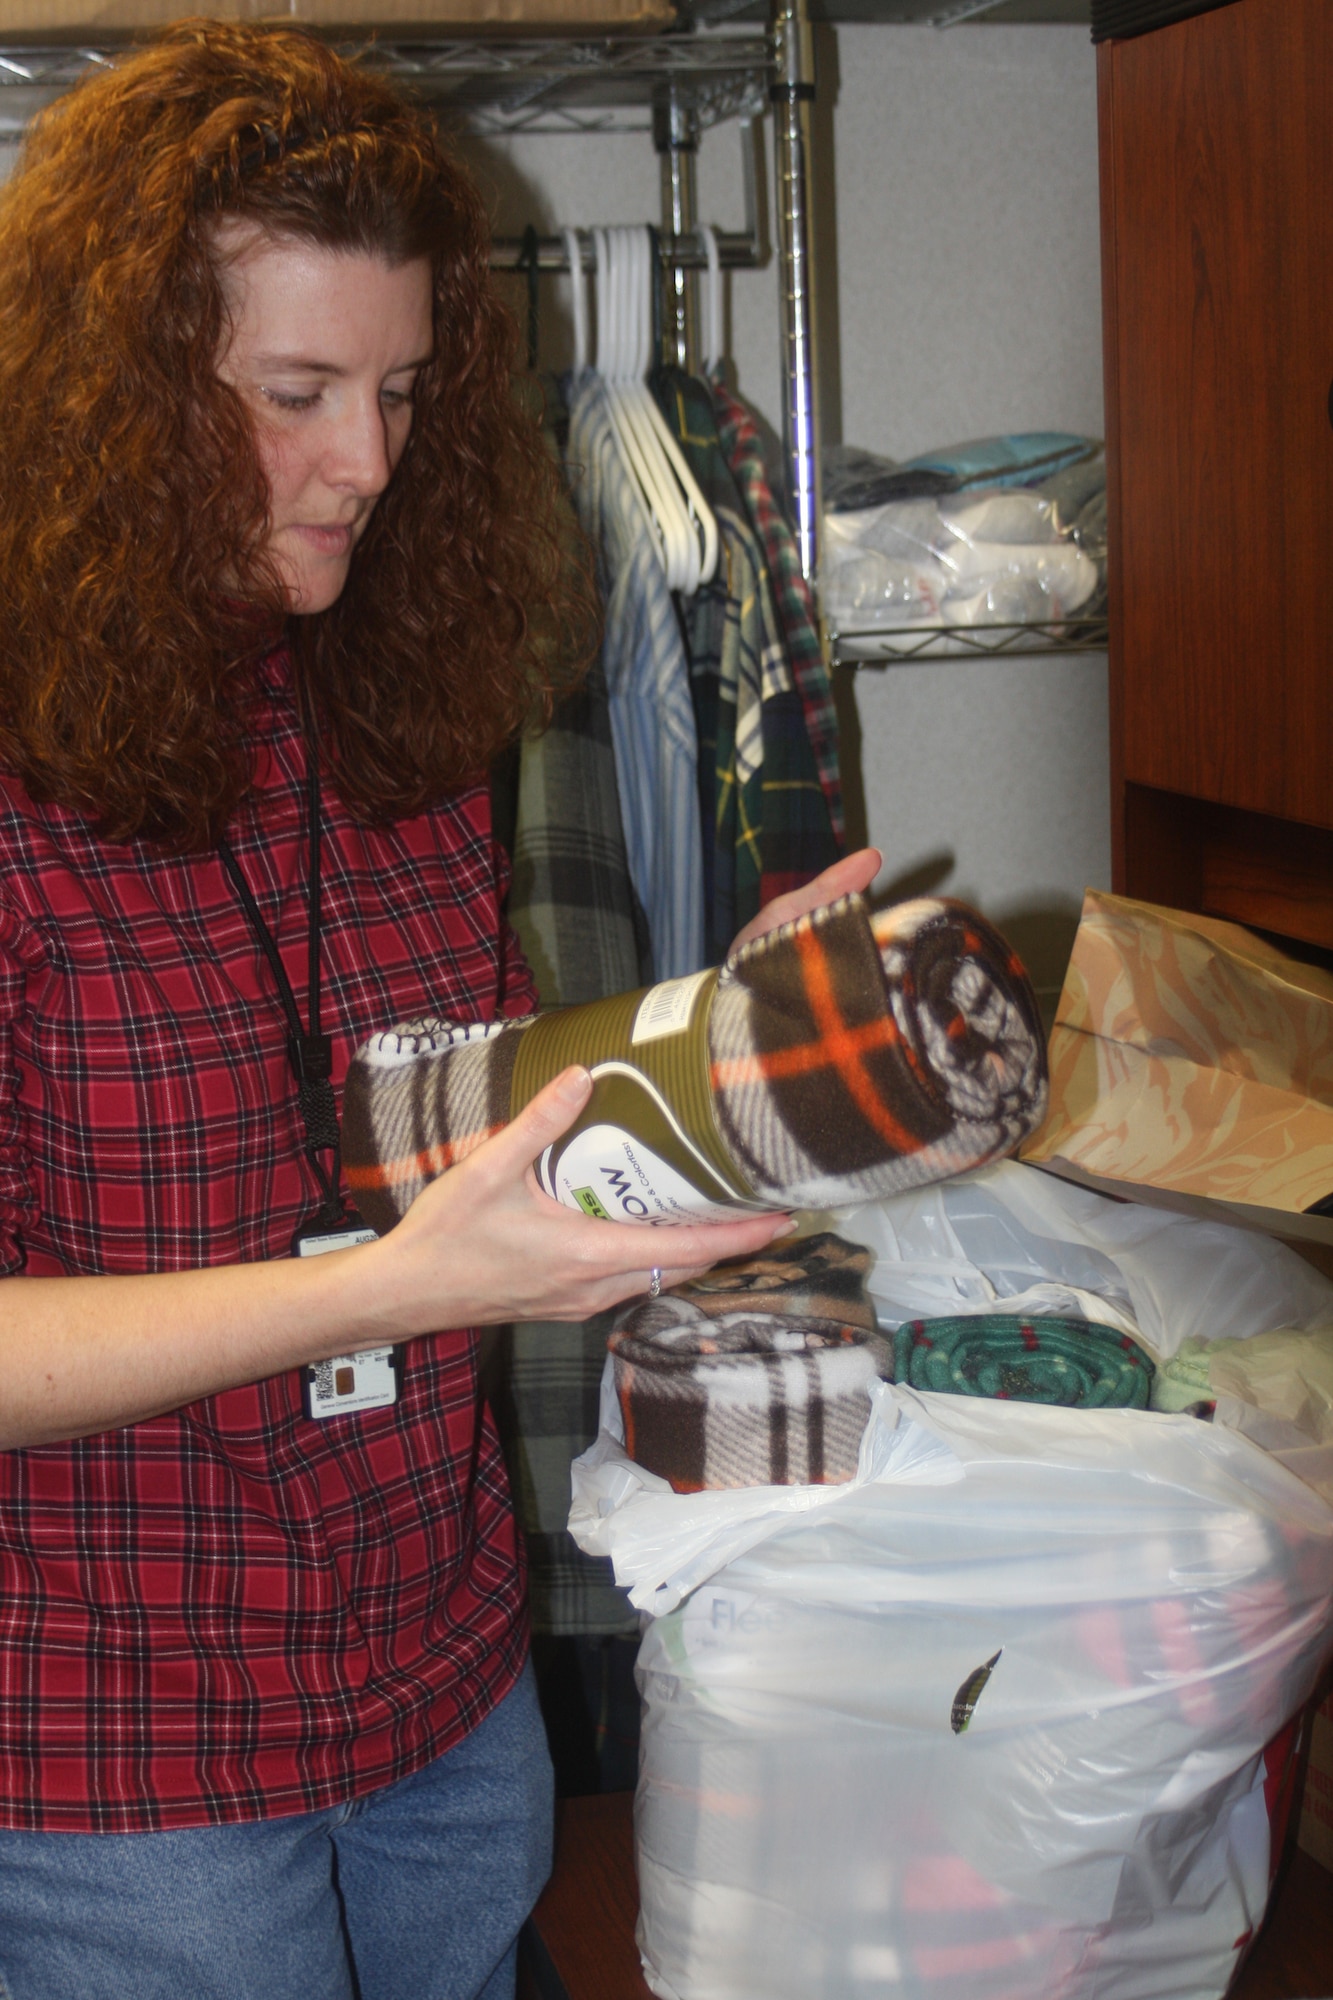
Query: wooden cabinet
(1217,230)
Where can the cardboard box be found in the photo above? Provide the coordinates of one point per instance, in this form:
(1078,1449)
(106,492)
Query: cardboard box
(101,20)
(1192,1068)
(1315,1834)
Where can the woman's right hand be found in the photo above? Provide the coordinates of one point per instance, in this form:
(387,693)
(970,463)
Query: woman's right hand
(480,1245)
(483,1244)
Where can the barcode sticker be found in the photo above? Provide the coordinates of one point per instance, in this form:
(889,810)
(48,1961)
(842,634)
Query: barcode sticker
(667,1008)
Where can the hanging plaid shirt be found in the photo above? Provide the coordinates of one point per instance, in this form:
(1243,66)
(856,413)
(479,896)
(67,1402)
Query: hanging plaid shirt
(764,807)
(231,1612)
(745,456)
(583,935)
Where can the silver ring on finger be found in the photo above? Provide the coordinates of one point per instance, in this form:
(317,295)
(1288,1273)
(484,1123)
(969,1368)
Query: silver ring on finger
(654,1282)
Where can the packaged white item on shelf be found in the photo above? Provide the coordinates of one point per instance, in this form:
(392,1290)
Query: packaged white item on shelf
(1005,1715)
(1003,600)
(866,585)
(1062,573)
(1001,514)
(997,555)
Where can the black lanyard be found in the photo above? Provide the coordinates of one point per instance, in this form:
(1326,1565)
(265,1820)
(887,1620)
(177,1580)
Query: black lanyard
(310,1053)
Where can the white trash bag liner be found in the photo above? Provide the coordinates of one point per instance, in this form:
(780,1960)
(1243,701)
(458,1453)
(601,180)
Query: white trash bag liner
(836,1797)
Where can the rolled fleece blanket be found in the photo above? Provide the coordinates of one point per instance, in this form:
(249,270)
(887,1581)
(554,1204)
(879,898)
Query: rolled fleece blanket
(1071,1362)
(744,1399)
(815,1277)
(838,1058)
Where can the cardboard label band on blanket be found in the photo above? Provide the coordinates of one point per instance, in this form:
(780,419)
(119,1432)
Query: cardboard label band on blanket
(646,1147)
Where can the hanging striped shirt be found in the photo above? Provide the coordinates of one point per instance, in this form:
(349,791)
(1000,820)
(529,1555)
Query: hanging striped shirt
(647,679)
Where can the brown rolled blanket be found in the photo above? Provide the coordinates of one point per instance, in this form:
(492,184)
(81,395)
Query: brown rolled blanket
(816,1277)
(838,1058)
(743,1398)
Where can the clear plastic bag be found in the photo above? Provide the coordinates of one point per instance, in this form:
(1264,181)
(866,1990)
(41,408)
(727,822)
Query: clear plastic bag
(852,478)
(867,585)
(1000,514)
(995,555)
(996,1719)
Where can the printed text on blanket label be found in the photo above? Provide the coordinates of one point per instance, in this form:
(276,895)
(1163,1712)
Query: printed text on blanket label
(605,1172)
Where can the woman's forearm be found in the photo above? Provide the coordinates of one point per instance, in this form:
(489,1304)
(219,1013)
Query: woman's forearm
(79,1355)
(479,1246)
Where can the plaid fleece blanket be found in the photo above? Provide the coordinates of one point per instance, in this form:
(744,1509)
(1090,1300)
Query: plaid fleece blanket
(821,1276)
(742,1399)
(845,1057)
(1069,1362)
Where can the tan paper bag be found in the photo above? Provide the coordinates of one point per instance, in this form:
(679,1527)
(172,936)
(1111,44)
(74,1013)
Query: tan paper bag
(1191,1064)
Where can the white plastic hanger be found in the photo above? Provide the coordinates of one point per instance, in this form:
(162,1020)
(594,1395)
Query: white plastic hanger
(683,517)
(703,522)
(611,342)
(645,419)
(621,355)
(702,519)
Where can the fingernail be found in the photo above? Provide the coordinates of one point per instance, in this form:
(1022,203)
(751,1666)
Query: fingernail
(573,1086)
(789,1228)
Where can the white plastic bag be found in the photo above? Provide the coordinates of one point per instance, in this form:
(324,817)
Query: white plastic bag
(1276,1388)
(990,1721)
(818,1813)
(664,1543)
(974,1243)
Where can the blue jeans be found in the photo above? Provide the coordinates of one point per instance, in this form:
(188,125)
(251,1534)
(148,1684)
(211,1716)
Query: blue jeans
(415,1892)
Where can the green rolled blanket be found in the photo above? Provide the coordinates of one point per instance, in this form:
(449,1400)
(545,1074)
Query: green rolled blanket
(1070,1362)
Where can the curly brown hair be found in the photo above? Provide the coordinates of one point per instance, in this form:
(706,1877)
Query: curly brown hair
(135,593)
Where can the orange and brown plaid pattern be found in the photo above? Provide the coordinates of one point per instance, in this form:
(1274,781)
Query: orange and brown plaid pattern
(418,1099)
(745,1398)
(856,1055)
(849,1057)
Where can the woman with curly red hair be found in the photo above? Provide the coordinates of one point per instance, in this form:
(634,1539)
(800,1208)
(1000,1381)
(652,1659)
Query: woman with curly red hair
(277,578)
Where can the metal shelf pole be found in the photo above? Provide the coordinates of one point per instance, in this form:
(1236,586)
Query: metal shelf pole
(676,137)
(792,94)
(738,250)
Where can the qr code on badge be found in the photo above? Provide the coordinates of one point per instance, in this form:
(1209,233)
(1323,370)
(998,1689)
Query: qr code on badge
(365,1381)
(337,1379)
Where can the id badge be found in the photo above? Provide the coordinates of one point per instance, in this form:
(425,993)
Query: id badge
(349,1383)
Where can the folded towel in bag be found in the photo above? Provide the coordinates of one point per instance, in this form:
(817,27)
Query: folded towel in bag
(837,1058)
(742,1399)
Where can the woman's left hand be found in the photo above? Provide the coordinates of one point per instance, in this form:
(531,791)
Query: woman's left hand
(847,877)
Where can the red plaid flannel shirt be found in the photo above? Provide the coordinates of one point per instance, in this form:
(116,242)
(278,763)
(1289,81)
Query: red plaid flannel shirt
(231,1612)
